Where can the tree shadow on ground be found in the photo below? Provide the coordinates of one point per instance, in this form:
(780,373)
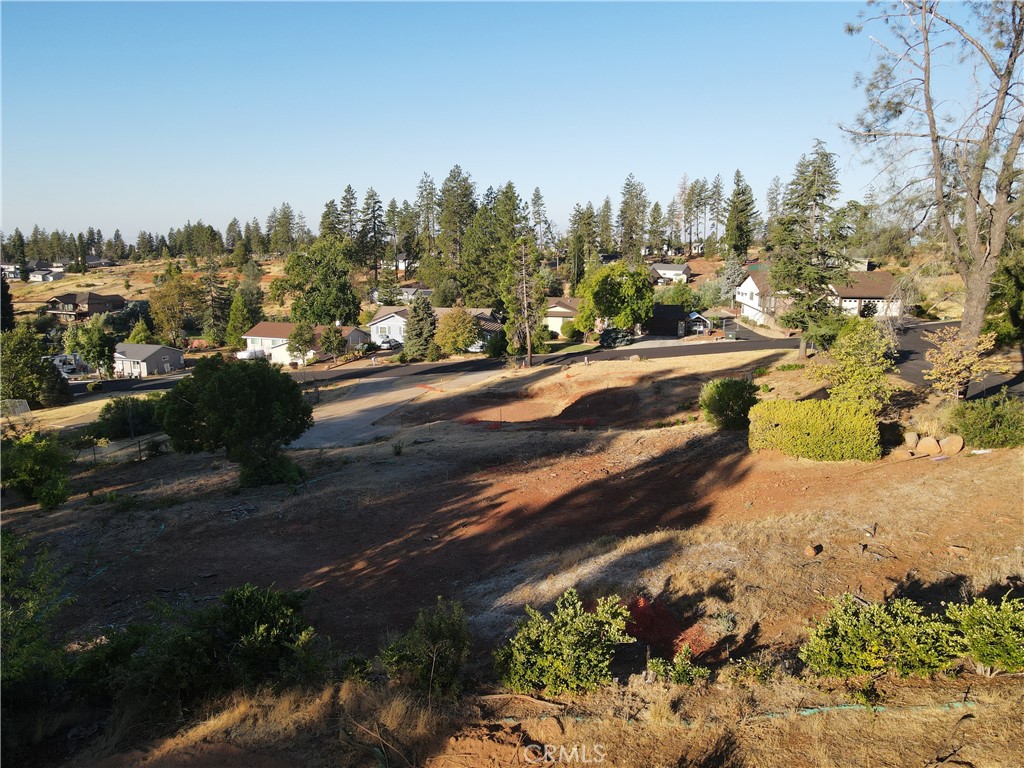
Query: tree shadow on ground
(955,588)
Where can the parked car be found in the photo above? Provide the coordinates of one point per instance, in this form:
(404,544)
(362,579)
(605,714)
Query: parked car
(388,343)
(615,337)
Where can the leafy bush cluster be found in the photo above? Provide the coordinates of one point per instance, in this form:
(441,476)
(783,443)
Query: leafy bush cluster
(571,332)
(570,651)
(822,430)
(994,422)
(726,403)
(432,653)
(858,638)
(251,637)
(37,465)
(680,671)
(123,417)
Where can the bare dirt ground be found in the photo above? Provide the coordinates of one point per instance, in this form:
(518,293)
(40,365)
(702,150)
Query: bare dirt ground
(602,477)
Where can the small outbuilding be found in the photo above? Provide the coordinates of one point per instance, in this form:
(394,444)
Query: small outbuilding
(696,323)
(136,361)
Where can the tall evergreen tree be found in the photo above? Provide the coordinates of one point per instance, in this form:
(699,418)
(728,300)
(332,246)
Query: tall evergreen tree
(656,230)
(281,230)
(14,253)
(632,221)
(233,234)
(419,329)
(348,209)
(809,256)
(539,219)
(457,206)
(371,239)
(523,299)
(606,228)
(741,219)
(426,208)
(330,221)
(716,204)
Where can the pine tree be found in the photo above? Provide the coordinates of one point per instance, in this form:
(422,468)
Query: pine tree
(348,210)
(457,206)
(605,229)
(419,329)
(523,298)
(371,238)
(809,255)
(333,342)
(426,209)
(330,221)
(233,234)
(717,209)
(281,230)
(742,218)
(656,229)
(632,219)
(239,322)
(141,334)
(539,219)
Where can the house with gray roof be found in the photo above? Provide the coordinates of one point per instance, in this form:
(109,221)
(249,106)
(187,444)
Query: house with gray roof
(137,361)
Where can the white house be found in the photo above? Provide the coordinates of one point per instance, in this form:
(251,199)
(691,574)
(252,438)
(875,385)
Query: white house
(868,294)
(389,322)
(670,273)
(136,361)
(270,340)
(45,276)
(755,298)
(561,310)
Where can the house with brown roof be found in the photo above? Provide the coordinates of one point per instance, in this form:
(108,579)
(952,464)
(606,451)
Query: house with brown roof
(560,310)
(864,294)
(69,307)
(868,294)
(270,340)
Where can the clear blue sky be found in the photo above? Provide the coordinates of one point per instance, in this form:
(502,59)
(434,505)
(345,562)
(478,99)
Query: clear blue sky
(145,115)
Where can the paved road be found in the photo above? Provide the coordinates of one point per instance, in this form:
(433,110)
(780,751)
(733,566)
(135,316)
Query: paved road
(912,365)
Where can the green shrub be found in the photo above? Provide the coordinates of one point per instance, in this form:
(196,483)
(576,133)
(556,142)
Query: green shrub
(252,637)
(94,386)
(496,344)
(761,370)
(570,651)
(856,638)
(276,470)
(790,367)
(31,598)
(822,430)
(122,417)
(571,332)
(431,654)
(37,465)
(726,402)
(994,422)
(993,635)
(680,671)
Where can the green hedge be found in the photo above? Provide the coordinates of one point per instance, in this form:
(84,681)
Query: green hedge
(822,430)
(994,422)
(859,638)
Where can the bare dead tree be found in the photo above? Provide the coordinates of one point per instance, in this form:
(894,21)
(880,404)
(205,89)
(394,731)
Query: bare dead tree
(945,111)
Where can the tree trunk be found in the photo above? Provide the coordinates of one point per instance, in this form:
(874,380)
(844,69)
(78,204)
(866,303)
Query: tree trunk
(803,346)
(978,281)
